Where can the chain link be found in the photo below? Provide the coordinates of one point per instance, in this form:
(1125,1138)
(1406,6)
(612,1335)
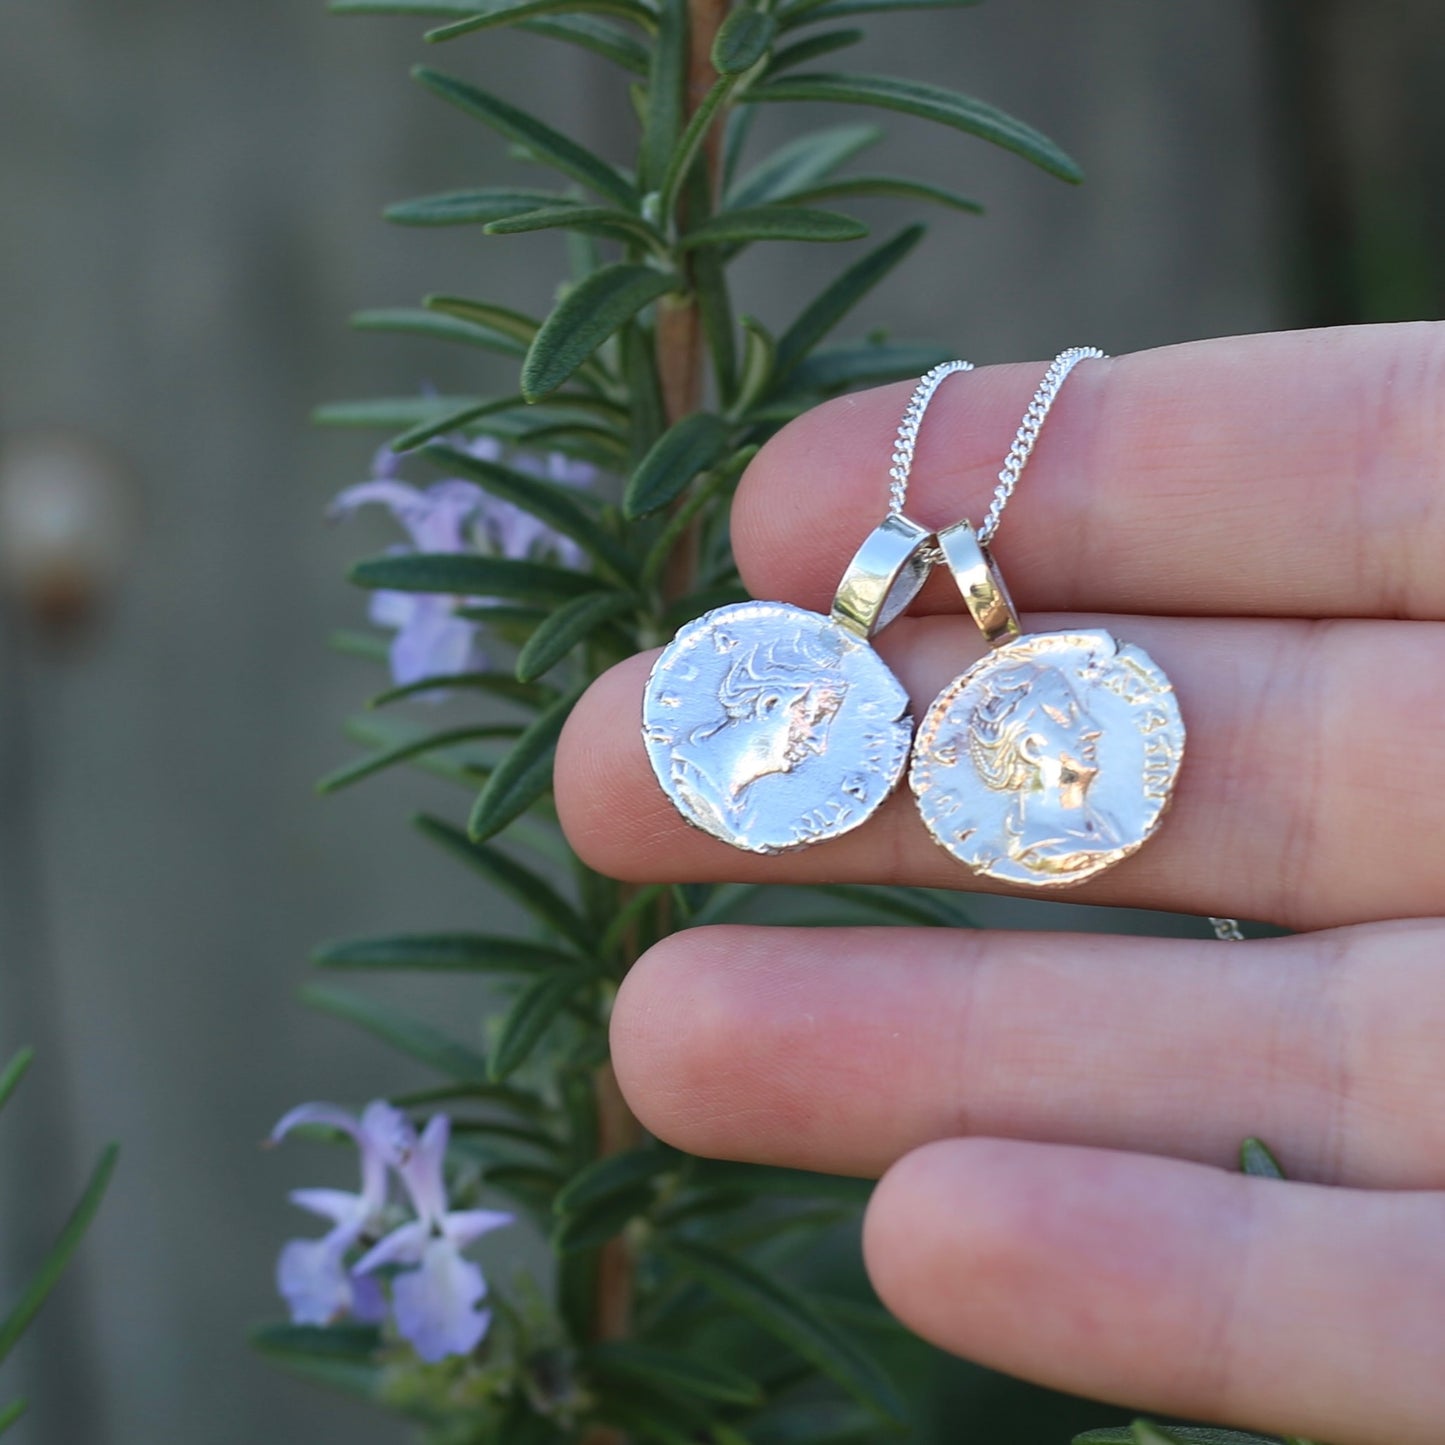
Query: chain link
(1019,453)
(907,438)
(1028,433)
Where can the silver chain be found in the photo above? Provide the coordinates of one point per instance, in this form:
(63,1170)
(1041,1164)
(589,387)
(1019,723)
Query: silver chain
(1227,930)
(907,439)
(1019,453)
(1028,433)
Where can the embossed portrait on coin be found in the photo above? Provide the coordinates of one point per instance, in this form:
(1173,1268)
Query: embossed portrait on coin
(776,703)
(1031,735)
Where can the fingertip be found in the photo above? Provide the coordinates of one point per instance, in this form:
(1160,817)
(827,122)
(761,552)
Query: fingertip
(935,1225)
(599,759)
(670,1025)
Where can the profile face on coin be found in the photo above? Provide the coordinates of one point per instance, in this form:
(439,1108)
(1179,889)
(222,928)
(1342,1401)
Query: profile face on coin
(1051,759)
(771,727)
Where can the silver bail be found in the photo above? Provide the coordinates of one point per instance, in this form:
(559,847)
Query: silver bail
(886,574)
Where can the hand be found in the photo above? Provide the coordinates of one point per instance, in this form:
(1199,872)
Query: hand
(1053,1116)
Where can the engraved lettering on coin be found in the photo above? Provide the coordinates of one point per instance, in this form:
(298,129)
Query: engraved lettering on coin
(1051,759)
(771,727)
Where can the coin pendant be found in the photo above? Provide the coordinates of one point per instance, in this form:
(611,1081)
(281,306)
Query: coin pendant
(1050,759)
(771,727)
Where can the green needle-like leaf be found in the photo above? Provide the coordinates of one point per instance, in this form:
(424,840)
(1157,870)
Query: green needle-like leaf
(614,1174)
(664,111)
(509,12)
(454,421)
(555,505)
(773,223)
(467,575)
(588,1228)
(699,123)
(891,187)
(498,684)
(1255,1158)
(759,353)
(802,51)
(570,624)
(11,1413)
(407,1035)
(789,1317)
(53,1266)
(14,1071)
(523,776)
(909,905)
(801,163)
(594,35)
(585,317)
(341,1356)
(598,220)
(427,9)
(839,298)
(441,953)
(529,889)
(831,369)
(692,445)
(487,313)
(389,413)
(817,1422)
(671,1370)
(725,1177)
(403,752)
(535,1010)
(710,289)
(1179,1434)
(468,208)
(412,321)
(929,102)
(550,147)
(742,40)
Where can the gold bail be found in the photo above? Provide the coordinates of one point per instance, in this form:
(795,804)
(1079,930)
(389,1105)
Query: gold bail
(978,579)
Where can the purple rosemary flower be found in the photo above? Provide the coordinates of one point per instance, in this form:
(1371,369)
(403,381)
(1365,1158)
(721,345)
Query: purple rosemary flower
(454,515)
(312,1275)
(436,1301)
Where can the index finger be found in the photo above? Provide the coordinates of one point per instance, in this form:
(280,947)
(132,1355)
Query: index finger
(1290,474)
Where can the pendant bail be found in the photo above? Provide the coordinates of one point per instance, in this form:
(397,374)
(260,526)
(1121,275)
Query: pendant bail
(978,579)
(886,574)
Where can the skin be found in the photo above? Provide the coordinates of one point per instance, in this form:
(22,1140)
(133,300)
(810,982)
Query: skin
(1054,1117)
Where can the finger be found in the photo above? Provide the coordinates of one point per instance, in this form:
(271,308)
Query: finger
(1290,1308)
(1295,474)
(842,1049)
(1304,799)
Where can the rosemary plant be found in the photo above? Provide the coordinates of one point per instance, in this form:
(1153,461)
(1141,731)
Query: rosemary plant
(576,521)
(47,1274)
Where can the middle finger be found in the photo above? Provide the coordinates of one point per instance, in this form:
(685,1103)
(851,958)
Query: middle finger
(844,1049)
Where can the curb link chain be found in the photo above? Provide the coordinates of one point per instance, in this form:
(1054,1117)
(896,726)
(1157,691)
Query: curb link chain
(907,438)
(1028,433)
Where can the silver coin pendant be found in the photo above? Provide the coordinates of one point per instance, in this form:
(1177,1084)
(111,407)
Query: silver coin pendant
(1051,759)
(772,727)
